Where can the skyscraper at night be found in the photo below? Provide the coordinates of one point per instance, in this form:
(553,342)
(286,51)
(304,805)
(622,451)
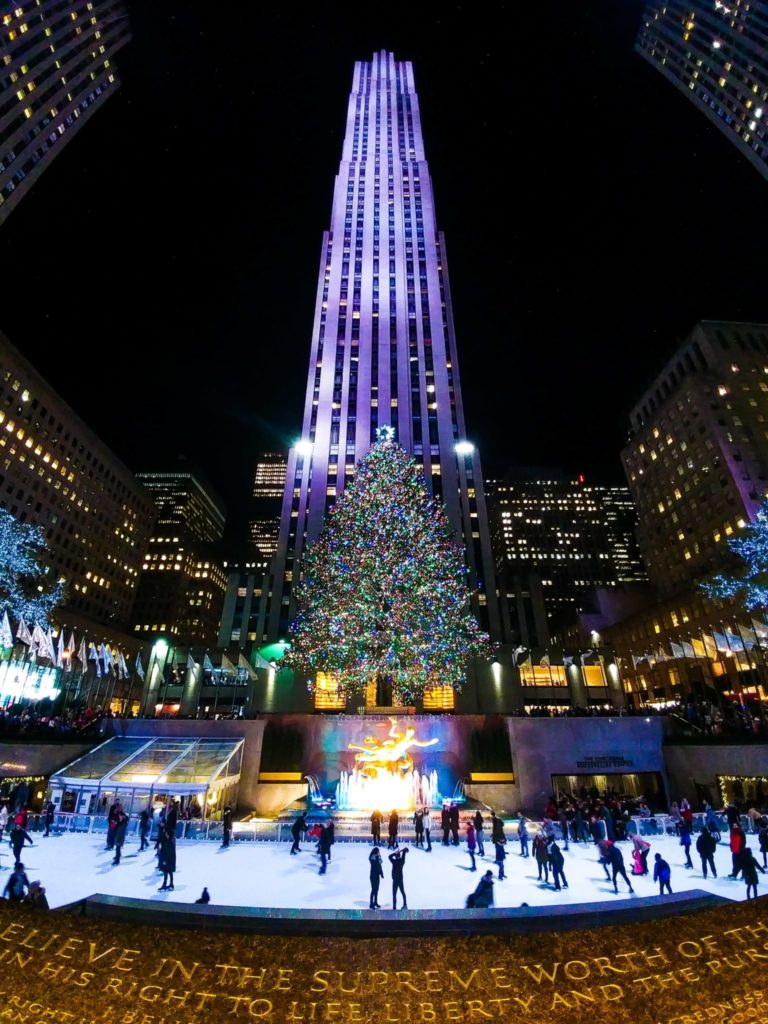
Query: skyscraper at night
(56,71)
(383,348)
(716,53)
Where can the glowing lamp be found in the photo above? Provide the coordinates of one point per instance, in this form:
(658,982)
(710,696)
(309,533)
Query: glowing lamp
(160,649)
(304,448)
(464,448)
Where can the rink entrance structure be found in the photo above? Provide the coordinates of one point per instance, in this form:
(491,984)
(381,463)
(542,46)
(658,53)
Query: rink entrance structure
(141,771)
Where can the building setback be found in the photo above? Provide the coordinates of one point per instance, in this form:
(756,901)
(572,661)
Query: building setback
(182,586)
(697,461)
(716,53)
(266,501)
(383,350)
(56,71)
(55,473)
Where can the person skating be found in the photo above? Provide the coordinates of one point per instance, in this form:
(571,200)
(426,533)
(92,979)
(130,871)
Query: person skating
(685,842)
(167,858)
(112,819)
(3,821)
(762,838)
(376,819)
(50,814)
(445,824)
(297,828)
(427,821)
(557,863)
(539,848)
(17,884)
(604,849)
(471,844)
(750,868)
(705,847)
(394,821)
(522,835)
(397,860)
(144,829)
(482,897)
(19,836)
(662,873)
(376,875)
(331,827)
(324,847)
(453,818)
(642,847)
(738,844)
(205,896)
(226,825)
(479,832)
(418,827)
(499,841)
(119,835)
(36,897)
(617,867)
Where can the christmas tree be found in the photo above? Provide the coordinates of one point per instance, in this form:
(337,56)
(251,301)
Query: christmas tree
(384,593)
(26,589)
(750,580)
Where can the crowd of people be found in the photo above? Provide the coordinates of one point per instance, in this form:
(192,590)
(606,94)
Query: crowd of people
(40,723)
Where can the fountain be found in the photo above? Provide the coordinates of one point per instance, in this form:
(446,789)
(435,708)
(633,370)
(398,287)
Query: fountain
(384,776)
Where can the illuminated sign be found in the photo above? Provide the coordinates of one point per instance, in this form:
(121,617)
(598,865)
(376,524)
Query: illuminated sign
(25,681)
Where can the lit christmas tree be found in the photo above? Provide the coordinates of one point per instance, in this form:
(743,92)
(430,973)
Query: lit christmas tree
(383,596)
(26,588)
(750,584)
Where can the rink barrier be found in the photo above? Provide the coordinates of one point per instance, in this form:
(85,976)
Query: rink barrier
(382,923)
(354,830)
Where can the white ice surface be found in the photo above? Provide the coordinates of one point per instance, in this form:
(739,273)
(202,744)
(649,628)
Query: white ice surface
(265,875)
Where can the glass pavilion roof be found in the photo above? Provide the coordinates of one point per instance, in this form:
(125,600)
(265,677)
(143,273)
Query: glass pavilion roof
(162,760)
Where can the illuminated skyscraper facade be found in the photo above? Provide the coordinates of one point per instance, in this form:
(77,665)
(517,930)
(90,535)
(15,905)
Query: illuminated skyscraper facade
(383,347)
(56,71)
(716,52)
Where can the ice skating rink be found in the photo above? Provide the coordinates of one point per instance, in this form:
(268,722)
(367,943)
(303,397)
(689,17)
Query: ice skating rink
(265,875)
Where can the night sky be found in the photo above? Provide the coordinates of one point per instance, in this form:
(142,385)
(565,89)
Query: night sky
(162,272)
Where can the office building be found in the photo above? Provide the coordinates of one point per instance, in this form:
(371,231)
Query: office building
(383,351)
(266,501)
(57,69)
(56,474)
(182,587)
(239,626)
(559,538)
(716,53)
(697,461)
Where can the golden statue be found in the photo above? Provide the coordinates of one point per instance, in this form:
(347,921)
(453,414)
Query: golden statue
(391,755)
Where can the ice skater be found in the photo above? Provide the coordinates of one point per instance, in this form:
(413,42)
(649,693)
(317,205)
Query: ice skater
(397,860)
(445,824)
(297,828)
(394,821)
(662,873)
(749,868)
(471,844)
(479,832)
(167,858)
(376,875)
(418,827)
(685,842)
(557,863)
(640,850)
(376,827)
(453,818)
(205,897)
(17,884)
(324,846)
(50,814)
(145,826)
(617,867)
(539,849)
(482,897)
(226,822)
(705,847)
(120,829)
(522,835)
(19,836)
(427,822)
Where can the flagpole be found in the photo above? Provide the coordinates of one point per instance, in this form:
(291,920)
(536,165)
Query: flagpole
(760,677)
(737,681)
(718,691)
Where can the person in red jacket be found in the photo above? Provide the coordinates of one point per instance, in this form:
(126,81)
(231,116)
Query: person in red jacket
(738,845)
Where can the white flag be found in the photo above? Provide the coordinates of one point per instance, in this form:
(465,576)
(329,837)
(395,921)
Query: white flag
(207,664)
(23,634)
(6,634)
(38,640)
(105,653)
(139,667)
(82,655)
(191,663)
(60,650)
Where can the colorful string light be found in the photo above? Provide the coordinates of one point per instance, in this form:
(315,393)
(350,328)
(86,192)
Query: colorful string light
(27,590)
(384,589)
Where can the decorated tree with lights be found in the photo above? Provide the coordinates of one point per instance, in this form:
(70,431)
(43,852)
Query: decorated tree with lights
(383,596)
(27,590)
(749,581)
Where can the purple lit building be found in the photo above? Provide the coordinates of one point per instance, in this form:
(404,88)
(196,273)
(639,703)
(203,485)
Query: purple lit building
(383,346)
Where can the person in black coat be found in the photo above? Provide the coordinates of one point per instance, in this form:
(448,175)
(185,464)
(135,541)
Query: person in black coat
(453,817)
(50,814)
(205,896)
(750,867)
(394,821)
(19,836)
(324,846)
(171,817)
(483,895)
(226,821)
(144,828)
(445,824)
(376,827)
(616,860)
(119,837)
(112,819)
(479,832)
(418,827)
(397,860)
(17,884)
(705,847)
(167,858)
(377,873)
(297,828)
(557,863)
(331,830)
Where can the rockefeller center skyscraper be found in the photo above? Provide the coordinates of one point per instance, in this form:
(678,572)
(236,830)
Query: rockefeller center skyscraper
(383,347)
